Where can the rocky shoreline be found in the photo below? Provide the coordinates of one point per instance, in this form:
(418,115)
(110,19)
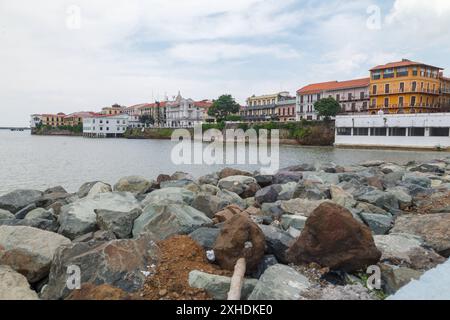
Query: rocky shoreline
(307,232)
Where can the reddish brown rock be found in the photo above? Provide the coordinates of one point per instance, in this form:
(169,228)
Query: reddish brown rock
(90,291)
(333,238)
(227,213)
(229,172)
(251,190)
(253,211)
(240,237)
(162,178)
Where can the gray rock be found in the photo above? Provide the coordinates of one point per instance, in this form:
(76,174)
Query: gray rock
(277,241)
(94,186)
(218,286)
(379,224)
(402,196)
(379,198)
(372,163)
(283,177)
(268,194)
(206,237)
(297,222)
(119,223)
(99,235)
(406,250)
(287,191)
(43,224)
(266,262)
(303,207)
(264,180)
(416,179)
(434,229)
(29,250)
(209,204)
(19,199)
(370,208)
(163,221)
(339,293)
(300,168)
(272,209)
(237,184)
(393,279)
(342,197)
(5,214)
(79,217)
(212,179)
(181,175)
(118,263)
(209,188)
(169,195)
(14,286)
(176,183)
(232,198)
(280,282)
(133,184)
(23,212)
(40,213)
(392,179)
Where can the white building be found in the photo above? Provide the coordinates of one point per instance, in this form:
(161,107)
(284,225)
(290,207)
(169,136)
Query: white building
(352,95)
(105,126)
(35,120)
(183,113)
(420,130)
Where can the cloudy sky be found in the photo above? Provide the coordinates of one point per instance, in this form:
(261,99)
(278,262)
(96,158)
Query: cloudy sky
(59,55)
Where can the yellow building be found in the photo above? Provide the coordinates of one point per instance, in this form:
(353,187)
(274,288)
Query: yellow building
(405,87)
(445,94)
(76,118)
(113,110)
(53,120)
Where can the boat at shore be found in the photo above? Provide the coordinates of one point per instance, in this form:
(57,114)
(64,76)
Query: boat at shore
(429,131)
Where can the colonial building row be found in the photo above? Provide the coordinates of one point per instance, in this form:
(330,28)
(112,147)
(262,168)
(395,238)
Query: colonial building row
(393,88)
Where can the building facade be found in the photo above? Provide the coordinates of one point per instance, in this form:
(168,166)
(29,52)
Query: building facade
(105,126)
(113,110)
(405,87)
(444,98)
(352,95)
(285,110)
(267,107)
(183,113)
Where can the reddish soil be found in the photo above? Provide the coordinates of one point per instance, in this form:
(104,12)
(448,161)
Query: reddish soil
(179,255)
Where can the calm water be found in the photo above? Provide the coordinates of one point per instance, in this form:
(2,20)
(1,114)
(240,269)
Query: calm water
(40,162)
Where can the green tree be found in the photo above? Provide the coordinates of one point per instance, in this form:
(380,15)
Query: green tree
(327,107)
(146,119)
(222,107)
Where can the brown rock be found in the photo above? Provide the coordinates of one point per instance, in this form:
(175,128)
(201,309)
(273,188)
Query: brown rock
(162,178)
(228,172)
(250,191)
(375,182)
(227,213)
(239,237)
(90,291)
(253,211)
(333,238)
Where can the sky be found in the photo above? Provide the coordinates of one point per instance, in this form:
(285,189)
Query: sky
(82,55)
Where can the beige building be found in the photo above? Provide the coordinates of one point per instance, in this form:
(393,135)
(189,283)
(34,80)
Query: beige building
(266,107)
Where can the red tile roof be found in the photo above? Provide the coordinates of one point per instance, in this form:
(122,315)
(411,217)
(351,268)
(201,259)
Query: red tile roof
(203,104)
(403,63)
(334,85)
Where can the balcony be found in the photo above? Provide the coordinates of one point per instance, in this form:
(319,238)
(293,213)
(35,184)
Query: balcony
(353,98)
(406,90)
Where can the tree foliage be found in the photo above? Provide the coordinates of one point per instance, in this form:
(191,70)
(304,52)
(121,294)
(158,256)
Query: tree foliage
(146,119)
(224,106)
(327,107)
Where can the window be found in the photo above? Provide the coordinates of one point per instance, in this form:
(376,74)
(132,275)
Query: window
(378,132)
(388,73)
(386,102)
(439,132)
(338,97)
(386,88)
(374,89)
(402,72)
(376,75)
(318,97)
(101,121)
(413,101)
(400,101)
(397,132)
(349,96)
(360,131)
(416,132)
(414,86)
(415,72)
(101,128)
(107,121)
(361,95)
(402,87)
(344,131)
(374,103)
(107,128)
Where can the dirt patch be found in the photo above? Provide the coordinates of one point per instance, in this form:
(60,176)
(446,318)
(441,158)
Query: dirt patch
(179,255)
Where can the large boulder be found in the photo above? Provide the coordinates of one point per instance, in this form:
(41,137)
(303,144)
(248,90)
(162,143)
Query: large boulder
(218,286)
(133,184)
(14,286)
(19,199)
(169,195)
(39,213)
(119,223)
(241,185)
(240,237)
(403,197)
(5,214)
(333,238)
(161,221)
(379,198)
(277,241)
(434,229)
(79,217)
(280,282)
(232,198)
(119,263)
(417,179)
(268,194)
(28,250)
(227,213)
(393,279)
